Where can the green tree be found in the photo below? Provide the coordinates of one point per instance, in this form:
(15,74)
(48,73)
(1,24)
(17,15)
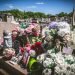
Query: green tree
(62,14)
(70,14)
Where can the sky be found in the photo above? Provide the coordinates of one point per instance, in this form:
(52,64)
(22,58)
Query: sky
(45,6)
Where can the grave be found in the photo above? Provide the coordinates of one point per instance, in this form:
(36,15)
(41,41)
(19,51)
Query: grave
(6,17)
(73,18)
(6,68)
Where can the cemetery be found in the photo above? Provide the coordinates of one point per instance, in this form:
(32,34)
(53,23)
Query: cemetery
(34,43)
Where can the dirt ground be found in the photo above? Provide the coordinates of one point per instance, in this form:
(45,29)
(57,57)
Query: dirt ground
(6,26)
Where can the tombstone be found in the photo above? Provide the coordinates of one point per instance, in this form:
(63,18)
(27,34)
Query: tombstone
(29,20)
(62,18)
(10,17)
(34,20)
(42,20)
(56,18)
(0,19)
(49,19)
(6,17)
(73,18)
(39,19)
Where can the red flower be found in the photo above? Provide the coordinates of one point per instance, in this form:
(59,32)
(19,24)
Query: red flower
(35,34)
(22,49)
(28,44)
(38,44)
(33,47)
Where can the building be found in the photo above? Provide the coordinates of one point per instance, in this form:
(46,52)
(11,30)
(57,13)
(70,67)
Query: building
(6,17)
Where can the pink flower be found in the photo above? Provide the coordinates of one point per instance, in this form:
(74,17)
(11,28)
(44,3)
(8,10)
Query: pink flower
(1,41)
(22,49)
(35,34)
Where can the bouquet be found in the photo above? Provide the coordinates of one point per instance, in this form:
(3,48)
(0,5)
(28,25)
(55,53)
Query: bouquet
(8,53)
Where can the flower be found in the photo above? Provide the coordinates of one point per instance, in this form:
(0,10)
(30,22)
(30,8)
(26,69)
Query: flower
(38,44)
(34,34)
(47,71)
(28,44)
(33,47)
(9,52)
(64,28)
(22,49)
(62,63)
(28,47)
(14,31)
(53,25)
(41,57)
(32,53)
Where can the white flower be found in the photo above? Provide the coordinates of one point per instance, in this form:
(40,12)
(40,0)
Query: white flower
(41,58)
(32,53)
(69,58)
(73,67)
(47,71)
(53,55)
(48,62)
(45,63)
(49,51)
(57,69)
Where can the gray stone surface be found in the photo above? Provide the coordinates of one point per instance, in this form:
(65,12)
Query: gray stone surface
(6,26)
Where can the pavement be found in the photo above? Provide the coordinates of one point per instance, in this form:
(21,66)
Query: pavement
(6,26)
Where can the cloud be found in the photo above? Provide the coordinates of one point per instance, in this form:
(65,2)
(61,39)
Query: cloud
(32,7)
(10,6)
(40,3)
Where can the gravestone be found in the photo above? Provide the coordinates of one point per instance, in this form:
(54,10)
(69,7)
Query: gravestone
(10,18)
(6,17)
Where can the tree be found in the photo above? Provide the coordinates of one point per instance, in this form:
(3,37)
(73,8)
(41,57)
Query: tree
(62,14)
(48,15)
(40,15)
(16,13)
(70,14)
(30,14)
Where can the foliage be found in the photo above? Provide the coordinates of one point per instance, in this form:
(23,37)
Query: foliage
(23,15)
(62,14)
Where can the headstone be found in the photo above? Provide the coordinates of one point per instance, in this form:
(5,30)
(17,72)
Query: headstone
(10,18)
(49,19)
(0,19)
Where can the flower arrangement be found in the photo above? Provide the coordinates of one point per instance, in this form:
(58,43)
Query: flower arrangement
(60,62)
(9,53)
(47,52)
